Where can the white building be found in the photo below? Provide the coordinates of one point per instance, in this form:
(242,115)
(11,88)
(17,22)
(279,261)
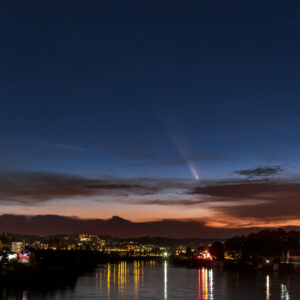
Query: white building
(293,256)
(17,247)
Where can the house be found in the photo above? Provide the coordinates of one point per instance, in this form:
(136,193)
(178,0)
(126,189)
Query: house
(293,256)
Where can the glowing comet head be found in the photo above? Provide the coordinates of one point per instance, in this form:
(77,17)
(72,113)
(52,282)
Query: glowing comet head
(193,170)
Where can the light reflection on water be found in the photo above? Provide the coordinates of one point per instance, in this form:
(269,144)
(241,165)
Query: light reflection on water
(151,280)
(205,284)
(284,292)
(121,277)
(165,280)
(268,287)
(118,278)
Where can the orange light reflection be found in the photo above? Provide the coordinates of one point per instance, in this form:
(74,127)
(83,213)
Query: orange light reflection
(205,284)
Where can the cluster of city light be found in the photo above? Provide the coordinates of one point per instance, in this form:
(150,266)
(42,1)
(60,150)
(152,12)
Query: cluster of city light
(205,255)
(94,242)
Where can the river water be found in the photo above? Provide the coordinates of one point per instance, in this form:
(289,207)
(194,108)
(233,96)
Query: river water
(150,280)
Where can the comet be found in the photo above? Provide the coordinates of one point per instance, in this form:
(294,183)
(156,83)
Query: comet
(183,154)
(193,170)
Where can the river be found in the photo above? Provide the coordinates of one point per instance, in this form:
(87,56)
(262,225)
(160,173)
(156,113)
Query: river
(151,280)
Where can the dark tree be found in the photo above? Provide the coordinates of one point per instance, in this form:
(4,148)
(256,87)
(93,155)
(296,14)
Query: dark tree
(217,250)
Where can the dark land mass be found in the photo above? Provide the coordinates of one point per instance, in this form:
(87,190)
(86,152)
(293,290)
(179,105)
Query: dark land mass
(53,269)
(118,227)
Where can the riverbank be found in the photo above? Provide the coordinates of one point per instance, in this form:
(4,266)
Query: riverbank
(58,268)
(240,266)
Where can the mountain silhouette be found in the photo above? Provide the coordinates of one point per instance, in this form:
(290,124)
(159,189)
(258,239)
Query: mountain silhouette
(116,226)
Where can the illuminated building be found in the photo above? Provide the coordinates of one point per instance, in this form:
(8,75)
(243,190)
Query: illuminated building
(203,255)
(17,247)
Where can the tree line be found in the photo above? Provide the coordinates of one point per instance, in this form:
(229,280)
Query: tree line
(266,244)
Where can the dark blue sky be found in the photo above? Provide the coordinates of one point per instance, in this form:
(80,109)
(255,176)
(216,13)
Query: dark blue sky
(149,89)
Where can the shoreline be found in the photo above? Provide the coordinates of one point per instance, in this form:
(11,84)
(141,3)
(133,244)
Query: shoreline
(59,269)
(239,266)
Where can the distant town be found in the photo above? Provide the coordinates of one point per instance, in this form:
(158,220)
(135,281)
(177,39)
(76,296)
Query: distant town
(268,247)
(21,247)
(30,261)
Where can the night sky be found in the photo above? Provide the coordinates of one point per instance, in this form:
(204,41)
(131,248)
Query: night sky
(151,110)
